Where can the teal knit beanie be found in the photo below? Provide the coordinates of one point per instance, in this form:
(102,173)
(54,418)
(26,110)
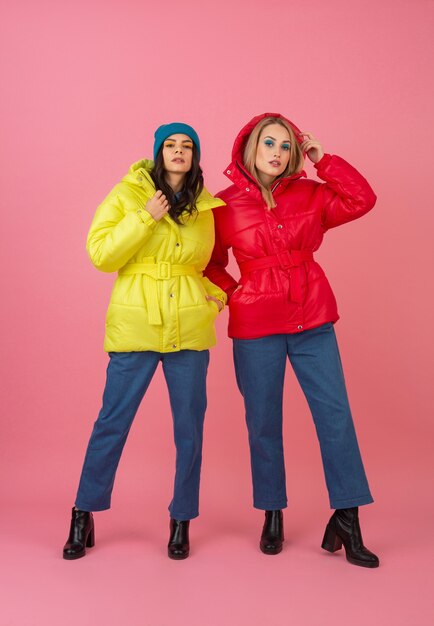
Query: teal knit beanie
(164,131)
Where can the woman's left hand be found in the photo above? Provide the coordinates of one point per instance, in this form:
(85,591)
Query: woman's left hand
(312,147)
(218,302)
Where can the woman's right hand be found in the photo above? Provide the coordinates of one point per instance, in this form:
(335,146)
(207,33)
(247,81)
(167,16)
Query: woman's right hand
(157,206)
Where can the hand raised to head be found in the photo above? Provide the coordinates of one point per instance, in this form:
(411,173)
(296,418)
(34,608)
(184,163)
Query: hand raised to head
(312,147)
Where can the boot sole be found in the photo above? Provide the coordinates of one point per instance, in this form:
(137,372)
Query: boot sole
(178,557)
(362,563)
(272,552)
(73,557)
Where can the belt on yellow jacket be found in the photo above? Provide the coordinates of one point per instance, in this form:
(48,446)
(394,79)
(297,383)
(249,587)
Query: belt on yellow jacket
(153,271)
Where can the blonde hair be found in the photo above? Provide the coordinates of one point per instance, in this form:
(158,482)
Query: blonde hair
(296,159)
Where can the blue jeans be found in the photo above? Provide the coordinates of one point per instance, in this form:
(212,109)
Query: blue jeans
(128,377)
(260,370)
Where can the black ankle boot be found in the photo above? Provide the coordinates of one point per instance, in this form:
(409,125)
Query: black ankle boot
(272,533)
(344,528)
(81,535)
(179,545)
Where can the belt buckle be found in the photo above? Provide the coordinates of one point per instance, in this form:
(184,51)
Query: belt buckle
(164,270)
(285,259)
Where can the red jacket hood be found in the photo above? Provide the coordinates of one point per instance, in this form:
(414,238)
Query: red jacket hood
(233,170)
(241,139)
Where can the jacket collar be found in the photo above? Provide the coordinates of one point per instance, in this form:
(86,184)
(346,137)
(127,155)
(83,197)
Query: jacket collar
(244,180)
(139,175)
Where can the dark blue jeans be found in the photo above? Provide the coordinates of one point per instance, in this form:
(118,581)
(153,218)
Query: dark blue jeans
(260,370)
(128,377)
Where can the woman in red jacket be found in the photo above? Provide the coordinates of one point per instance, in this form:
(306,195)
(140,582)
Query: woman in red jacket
(282,307)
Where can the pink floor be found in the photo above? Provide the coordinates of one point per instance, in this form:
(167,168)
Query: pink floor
(128,579)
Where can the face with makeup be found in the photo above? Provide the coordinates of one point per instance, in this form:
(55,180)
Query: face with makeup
(177,154)
(272,153)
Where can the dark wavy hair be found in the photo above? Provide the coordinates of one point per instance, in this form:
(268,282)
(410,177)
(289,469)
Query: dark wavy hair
(193,185)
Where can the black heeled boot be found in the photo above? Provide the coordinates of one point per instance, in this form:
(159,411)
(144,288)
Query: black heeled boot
(272,534)
(179,545)
(81,535)
(344,528)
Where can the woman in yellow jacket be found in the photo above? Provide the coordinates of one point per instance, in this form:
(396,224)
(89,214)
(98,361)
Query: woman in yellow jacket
(156,229)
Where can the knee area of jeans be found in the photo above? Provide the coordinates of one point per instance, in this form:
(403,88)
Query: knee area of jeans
(267,435)
(191,443)
(336,421)
(106,442)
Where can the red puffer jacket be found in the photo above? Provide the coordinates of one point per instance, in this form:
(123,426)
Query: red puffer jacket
(282,289)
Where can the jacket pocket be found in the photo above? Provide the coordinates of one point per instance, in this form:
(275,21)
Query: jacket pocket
(196,324)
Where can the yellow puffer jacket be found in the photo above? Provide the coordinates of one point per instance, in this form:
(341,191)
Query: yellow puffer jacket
(159,300)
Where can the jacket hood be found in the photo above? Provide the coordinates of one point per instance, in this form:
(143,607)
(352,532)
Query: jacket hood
(243,135)
(241,140)
(139,175)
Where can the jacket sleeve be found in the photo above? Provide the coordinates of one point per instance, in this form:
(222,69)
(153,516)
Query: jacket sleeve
(115,235)
(216,268)
(347,194)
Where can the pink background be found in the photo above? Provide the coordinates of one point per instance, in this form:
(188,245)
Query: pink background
(84,86)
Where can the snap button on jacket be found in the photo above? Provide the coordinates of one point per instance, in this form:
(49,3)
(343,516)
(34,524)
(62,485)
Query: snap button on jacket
(159,300)
(282,288)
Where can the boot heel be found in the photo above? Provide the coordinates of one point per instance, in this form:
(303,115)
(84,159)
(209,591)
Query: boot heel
(331,541)
(90,541)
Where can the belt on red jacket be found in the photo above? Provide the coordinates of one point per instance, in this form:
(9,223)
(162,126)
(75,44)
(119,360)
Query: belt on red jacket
(286,259)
